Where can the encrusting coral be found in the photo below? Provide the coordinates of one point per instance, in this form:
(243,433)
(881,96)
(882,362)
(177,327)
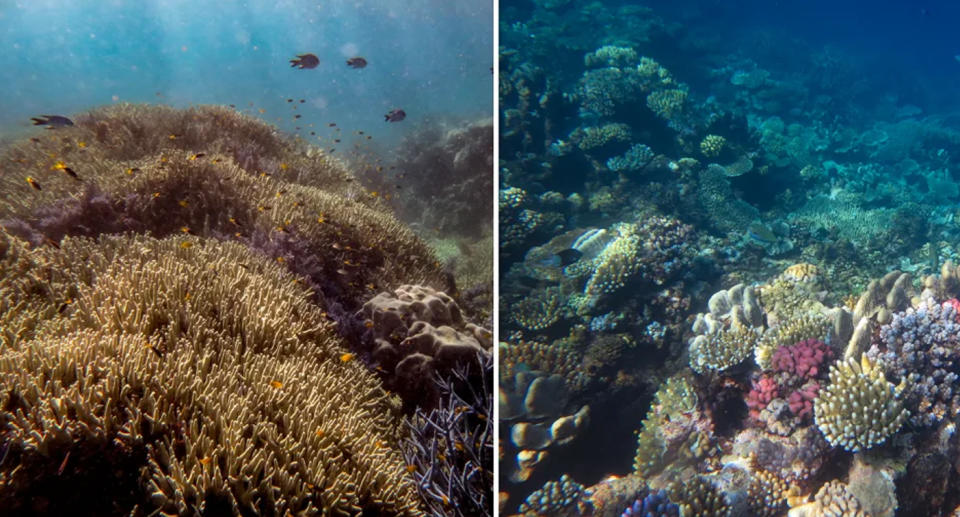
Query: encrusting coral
(193,377)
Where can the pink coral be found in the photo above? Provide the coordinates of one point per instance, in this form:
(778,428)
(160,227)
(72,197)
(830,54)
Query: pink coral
(763,391)
(953,302)
(802,359)
(801,401)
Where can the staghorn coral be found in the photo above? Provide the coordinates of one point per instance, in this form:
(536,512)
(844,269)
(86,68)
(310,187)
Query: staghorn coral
(557,358)
(173,378)
(451,446)
(858,409)
(667,104)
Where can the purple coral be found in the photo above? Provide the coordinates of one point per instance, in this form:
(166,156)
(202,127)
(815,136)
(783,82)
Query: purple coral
(922,346)
(450,448)
(653,504)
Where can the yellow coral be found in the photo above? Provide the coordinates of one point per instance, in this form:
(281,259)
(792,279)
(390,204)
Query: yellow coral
(712,145)
(667,104)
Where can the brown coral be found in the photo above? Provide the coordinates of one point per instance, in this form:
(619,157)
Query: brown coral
(186,378)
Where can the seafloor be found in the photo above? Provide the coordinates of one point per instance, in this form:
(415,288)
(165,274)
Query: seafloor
(727,276)
(202,316)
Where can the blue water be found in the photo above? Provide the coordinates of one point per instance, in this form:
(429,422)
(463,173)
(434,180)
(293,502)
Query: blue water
(899,39)
(427,57)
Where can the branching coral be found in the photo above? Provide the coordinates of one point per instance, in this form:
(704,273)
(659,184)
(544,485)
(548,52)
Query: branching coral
(451,446)
(858,409)
(303,210)
(922,347)
(203,369)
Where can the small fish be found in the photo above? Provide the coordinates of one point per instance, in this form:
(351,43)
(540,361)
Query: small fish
(186,244)
(321,219)
(302,101)
(761,233)
(332,124)
(368,324)
(185,229)
(174,136)
(81,145)
(411,468)
(276,384)
(395,115)
(33,183)
(195,156)
(64,305)
(297,116)
(320,433)
(63,464)
(347,357)
(183,202)
(51,121)
(233,220)
(156,350)
(281,260)
(132,170)
(569,256)
(289,100)
(305,61)
(205,460)
(357,62)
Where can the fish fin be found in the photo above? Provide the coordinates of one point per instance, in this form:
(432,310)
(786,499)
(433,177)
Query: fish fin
(37,121)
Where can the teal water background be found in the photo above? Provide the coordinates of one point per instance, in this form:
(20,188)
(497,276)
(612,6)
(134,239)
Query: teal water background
(428,57)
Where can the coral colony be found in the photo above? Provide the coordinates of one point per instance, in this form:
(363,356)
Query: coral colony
(731,272)
(210,318)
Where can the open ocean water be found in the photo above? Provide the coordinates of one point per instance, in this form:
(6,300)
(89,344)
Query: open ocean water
(728,258)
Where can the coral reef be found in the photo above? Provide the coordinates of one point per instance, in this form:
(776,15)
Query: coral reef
(209,360)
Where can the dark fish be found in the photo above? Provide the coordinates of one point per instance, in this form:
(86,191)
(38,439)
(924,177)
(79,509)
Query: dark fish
(305,61)
(357,62)
(51,121)
(395,115)
(569,256)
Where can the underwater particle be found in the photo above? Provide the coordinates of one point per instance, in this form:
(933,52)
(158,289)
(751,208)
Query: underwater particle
(357,62)
(395,115)
(303,61)
(859,408)
(51,121)
(712,145)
